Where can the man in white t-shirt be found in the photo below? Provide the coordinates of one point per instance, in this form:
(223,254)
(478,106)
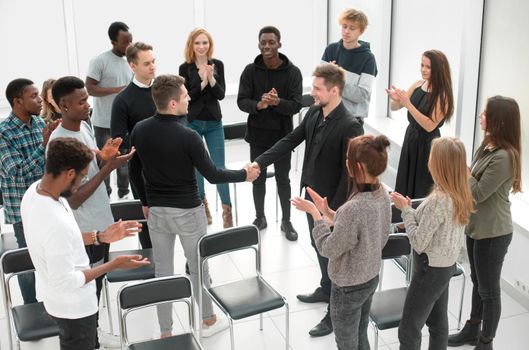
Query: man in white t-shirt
(108,74)
(64,279)
(90,204)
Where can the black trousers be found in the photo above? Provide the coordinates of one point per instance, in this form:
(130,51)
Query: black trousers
(77,334)
(486,261)
(282,169)
(323,262)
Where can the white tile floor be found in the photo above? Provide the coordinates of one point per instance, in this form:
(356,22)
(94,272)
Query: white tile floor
(291,267)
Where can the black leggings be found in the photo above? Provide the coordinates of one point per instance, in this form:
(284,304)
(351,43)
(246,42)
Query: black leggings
(486,261)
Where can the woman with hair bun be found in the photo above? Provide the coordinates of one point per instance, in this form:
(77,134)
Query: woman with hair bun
(354,246)
(435,230)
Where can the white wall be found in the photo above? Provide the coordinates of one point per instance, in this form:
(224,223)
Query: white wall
(66,34)
(504,72)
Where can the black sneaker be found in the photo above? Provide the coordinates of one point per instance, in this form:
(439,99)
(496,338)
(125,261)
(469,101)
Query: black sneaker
(290,233)
(260,223)
(122,194)
(323,328)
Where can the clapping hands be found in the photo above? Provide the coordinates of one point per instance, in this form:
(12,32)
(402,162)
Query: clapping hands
(400,201)
(110,149)
(398,95)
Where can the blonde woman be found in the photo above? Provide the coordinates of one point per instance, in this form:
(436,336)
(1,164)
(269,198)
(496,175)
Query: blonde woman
(205,84)
(436,231)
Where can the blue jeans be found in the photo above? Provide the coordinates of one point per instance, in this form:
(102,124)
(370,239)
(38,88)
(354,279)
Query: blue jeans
(26,281)
(350,314)
(426,303)
(213,133)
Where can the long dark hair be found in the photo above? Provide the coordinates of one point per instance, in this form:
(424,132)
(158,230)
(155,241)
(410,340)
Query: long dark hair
(370,151)
(440,84)
(503,130)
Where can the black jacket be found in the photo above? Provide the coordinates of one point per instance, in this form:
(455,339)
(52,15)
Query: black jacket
(203,102)
(330,172)
(269,125)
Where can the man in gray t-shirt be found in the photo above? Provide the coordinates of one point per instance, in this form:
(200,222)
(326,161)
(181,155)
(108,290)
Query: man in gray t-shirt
(108,73)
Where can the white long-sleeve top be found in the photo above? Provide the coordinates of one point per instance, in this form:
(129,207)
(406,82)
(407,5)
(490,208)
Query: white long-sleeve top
(57,250)
(432,230)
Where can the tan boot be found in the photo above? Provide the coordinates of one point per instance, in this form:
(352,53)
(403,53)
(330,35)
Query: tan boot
(208,214)
(227,217)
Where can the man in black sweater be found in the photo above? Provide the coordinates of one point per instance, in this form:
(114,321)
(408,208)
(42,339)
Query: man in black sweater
(134,103)
(270,91)
(163,172)
(326,130)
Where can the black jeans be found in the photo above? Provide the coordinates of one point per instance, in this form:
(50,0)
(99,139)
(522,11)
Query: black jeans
(426,303)
(282,169)
(486,261)
(77,334)
(26,282)
(350,314)
(323,262)
(102,135)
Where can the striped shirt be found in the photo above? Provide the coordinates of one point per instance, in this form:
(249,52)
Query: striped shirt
(21,161)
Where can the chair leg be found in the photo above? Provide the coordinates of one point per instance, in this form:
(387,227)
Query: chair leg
(277,205)
(235,202)
(216,199)
(461,301)
(232,337)
(106,296)
(380,275)
(287,327)
(376,337)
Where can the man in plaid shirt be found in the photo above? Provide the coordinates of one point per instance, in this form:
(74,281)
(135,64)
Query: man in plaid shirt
(23,139)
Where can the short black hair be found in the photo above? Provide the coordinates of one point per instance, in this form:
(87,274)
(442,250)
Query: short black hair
(65,153)
(16,88)
(114,29)
(65,86)
(270,29)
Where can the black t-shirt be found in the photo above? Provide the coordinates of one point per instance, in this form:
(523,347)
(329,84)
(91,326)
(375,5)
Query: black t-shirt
(163,167)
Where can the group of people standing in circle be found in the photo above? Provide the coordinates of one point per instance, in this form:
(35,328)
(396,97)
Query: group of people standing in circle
(348,209)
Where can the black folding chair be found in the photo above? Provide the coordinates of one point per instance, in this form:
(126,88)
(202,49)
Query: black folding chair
(245,297)
(27,322)
(152,292)
(127,210)
(387,305)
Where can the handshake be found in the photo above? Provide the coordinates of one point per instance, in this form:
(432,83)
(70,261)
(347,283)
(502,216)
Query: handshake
(253,170)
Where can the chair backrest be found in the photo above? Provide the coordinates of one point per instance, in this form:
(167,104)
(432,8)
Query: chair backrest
(127,210)
(228,240)
(398,244)
(16,261)
(234,131)
(151,292)
(307,100)
(396,217)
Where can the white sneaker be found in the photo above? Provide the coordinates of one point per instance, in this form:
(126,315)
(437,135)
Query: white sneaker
(107,340)
(217,327)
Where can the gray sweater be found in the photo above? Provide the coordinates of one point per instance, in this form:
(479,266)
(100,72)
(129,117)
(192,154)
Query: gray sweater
(432,230)
(354,247)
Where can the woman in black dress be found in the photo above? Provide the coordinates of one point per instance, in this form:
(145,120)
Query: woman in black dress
(430,103)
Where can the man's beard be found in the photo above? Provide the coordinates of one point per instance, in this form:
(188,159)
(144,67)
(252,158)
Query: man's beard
(68,192)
